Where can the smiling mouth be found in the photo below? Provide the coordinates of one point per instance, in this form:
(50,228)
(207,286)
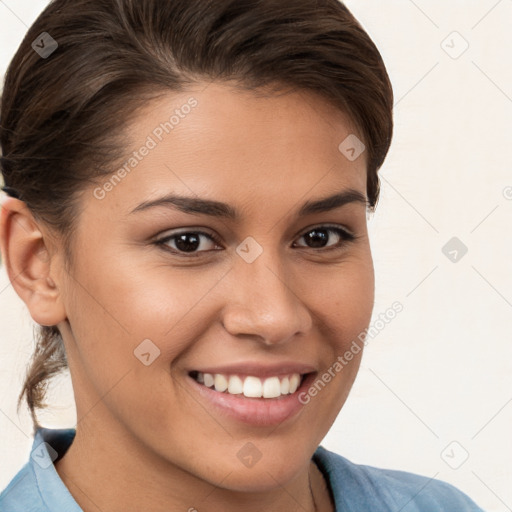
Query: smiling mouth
(250,386)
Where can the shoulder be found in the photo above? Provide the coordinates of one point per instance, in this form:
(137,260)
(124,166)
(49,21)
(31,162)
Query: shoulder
(360,487)
(22,495)
(37,486)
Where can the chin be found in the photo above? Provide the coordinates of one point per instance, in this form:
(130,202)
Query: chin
(261,478)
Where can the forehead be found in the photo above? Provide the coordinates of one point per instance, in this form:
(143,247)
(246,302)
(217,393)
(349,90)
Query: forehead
(230,144)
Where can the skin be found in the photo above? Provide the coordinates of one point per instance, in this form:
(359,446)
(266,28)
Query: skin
(144,441)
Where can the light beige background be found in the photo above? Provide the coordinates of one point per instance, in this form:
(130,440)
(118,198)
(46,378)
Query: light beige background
(435,383)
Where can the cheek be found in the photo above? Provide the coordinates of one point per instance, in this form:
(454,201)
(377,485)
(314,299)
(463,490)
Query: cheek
(116,308)
(345,315)
(344,302)
(344,297)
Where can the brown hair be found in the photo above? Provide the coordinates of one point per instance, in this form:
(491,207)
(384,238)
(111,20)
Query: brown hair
(61,113)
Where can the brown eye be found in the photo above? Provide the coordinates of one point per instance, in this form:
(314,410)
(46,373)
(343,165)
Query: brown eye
(320,237)
(189,242)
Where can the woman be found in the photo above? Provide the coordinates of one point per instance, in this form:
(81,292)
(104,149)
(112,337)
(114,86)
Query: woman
(189,186)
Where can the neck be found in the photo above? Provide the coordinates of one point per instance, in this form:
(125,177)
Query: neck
(115,472)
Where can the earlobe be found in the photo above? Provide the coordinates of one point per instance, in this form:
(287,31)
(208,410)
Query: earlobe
(28,261)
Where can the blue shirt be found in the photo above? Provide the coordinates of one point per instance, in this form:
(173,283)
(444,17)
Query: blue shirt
(37,487)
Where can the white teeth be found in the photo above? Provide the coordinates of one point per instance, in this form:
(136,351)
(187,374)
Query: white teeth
(285,386)
(221,383)
(208,380)
(271,388)
(236,386)
(251,387)
(294,382)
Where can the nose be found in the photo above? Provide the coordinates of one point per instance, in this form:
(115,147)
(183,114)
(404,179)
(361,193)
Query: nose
(263,303)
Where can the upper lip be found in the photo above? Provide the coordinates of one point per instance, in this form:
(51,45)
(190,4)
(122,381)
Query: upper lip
(258,369)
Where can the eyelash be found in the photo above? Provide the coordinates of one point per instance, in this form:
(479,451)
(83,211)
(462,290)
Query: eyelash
(346,237)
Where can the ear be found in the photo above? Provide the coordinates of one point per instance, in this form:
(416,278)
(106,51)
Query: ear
(27,258)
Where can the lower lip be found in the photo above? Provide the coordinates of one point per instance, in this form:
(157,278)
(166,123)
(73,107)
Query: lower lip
(259,412)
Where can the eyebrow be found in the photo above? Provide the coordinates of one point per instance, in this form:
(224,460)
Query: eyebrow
(194,205)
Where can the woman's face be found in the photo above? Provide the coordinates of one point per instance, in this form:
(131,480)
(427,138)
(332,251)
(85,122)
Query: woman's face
(268,291)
